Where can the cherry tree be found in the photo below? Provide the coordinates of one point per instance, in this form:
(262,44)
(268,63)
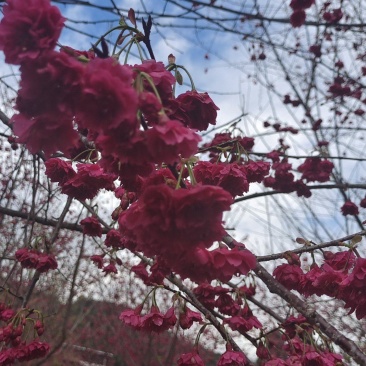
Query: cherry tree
(105,172)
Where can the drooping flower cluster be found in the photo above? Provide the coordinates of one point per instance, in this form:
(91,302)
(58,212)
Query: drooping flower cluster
(196,110)
(31,258)
(233,177)
(154,321)
(283,179)
(316,170)
(91,226)
(83,184)
(232,358)
(340,276)
(14,347)
(189,359)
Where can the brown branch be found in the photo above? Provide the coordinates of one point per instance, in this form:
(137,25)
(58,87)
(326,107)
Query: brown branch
(259,16)
(43,221)
(332,243)
(209,316)
(346,344)
(54,236)
(312,187)
(312,316)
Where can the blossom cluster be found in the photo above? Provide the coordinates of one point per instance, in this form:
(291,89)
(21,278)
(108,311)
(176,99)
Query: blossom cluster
(31,258)
(123,123)
(341,276)
(13,347)
(154,321)
(297,338)
(179,226)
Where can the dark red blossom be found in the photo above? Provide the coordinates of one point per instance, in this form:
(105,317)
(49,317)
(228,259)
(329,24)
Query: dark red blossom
(43,134)
(349,208)
(46,100)
(50,85)
(162,79)
(316,50)
(31,258)
(39,327)
(302,190)
(333,16)
(195,110)
(91,226)
(294,325)
(301,4)
(59,170)
(114,239)
(226,262)
(313,358)
(256,171)
(33,350)
(243,320)
(108,102)
(141,271)
(363,203)
(187,317)
(159,270)
(274,156)
(226,304)
(283,179)
(329,281)
(353,289)
(195,264)
(308,279)
(28,30)
(247,291)
(132,317)
(46,262)
(150,106)
(221,139)
(232,177)
(157,322)
(6,313)
(358,276)
(341,261)
(7,356)
(339,88)
(87,182)
(297,18)
(206,294)
(189,359)
(98,260)
(246,143)
(289,276)
(201,264)
(232,358)
(169,141)
(186,217)
(110,268)
(316,170)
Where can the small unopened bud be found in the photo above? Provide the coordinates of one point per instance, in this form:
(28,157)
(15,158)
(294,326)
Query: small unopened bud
(171,59)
